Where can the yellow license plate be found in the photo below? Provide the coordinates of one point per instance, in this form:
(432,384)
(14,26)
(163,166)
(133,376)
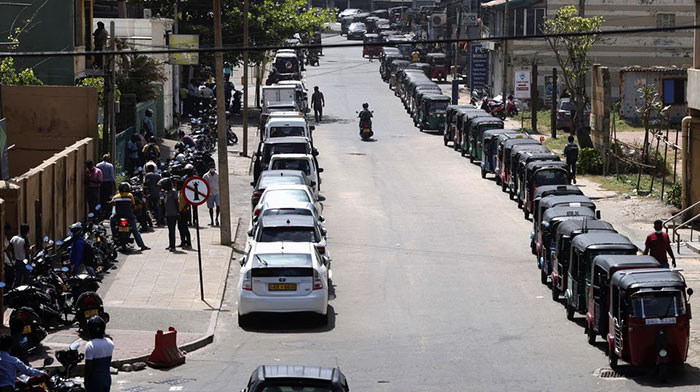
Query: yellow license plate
(281,287)
(124,229)
(90,313)
(27,330)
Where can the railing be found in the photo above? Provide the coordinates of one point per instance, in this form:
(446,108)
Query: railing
(687,224)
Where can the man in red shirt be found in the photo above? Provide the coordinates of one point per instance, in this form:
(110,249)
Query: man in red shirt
(658,243)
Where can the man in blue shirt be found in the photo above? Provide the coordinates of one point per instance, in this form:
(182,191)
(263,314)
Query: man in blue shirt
(132,154)
(78,250)
(10,366)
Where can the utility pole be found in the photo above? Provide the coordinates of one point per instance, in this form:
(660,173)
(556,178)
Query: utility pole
(224,190)
(581,8)
(112,95)
(555,96)
(455,81)
(246,41)
(505,53)
(534,95)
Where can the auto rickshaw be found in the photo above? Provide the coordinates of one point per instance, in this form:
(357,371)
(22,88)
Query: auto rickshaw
(403,80)
(545,242)
(432,113)
(422,66)
(371,23)
(489,141)
(553,190)
(371,51)
(451,120)
(417,91)
(394,67)
(584,248)
(564,234)
(649,318)
(438,65)
(554,201)
(520,173)
(459,139)
(477,127)
(500,139)
(515,154)
(384,66)
(504,157)
(541,173)
(598,288)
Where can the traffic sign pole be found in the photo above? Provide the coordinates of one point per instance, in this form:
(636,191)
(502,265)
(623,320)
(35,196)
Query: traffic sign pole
(196,192)
(199,252)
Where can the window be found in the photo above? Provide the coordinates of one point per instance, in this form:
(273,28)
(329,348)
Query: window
(526,21)
(674,91)
(665,20)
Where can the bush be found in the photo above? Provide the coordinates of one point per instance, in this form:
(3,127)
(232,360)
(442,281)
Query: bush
(589,162)
(674,195)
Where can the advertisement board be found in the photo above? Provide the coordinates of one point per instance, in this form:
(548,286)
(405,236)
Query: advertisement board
(522,84)
(184,41)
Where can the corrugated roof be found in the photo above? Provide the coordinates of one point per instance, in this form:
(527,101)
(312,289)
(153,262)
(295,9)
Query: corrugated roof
(656,68)
(511,3)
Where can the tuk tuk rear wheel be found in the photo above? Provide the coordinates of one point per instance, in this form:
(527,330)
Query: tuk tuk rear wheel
(612,359)
(569,311)
(543,276)
(591,336)
(483,173)
(555,292)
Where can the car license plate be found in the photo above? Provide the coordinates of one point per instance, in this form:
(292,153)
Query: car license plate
(90,313)
(660,321)
(27,330)
(124,229)
(281,287)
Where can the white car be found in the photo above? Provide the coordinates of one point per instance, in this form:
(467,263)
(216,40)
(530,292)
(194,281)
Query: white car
(287,193)
(289,228)
(284,277)
(303,162)
(284,126)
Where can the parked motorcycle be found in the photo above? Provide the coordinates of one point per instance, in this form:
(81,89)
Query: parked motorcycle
(87,305)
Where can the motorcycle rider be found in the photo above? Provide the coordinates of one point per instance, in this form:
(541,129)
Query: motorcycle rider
(98,355)
(123,207)
(10,366)
(78,251)
(365,116)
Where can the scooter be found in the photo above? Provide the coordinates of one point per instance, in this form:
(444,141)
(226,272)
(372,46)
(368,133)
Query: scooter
(32,332)
(89,304)
(366,129)
(501,111)
(124,234)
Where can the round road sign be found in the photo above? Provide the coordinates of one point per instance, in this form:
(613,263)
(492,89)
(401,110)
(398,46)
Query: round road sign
(196,191)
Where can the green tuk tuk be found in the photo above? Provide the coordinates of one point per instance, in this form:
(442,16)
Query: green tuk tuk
(477,126)
(451,120)
(490,149)
(432,113)
(460,137)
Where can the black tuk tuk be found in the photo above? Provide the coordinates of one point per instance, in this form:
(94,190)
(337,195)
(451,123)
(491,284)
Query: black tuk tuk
(548,228)
(418,91)
(386,60)
(477,127)
(553,190)
(515,154)
(460,137)
(489,141)
(584,248)
(541,173)
(563,236)
(431,116)
(553,201)
(438,65)
(371,23)
(520,174)
(422,66)
(394,67)
(372,50)
(598,288)
(451,120)
(505,160)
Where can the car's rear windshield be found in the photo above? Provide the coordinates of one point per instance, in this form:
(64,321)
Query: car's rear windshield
(283,259)
(295,388)
(567,105)
(290,234)
(284,148)
(286,131)
(284,195)
(276,180)
(287,211)
(292,164)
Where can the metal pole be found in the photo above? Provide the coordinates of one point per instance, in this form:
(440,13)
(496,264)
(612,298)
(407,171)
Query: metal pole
(199,247)
(663,176)
(555,92)
(245,78)
(534,96)
(505,53)
(675,155)
(222,153)
(112,97)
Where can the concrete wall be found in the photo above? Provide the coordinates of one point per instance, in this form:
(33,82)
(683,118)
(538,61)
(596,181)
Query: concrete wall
(631,81)
(43,120)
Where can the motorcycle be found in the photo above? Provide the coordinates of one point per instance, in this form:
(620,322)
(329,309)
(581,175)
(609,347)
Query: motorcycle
(124,239)
(60,381)
(366,128)
(33,333)
(89,304)
(501,111)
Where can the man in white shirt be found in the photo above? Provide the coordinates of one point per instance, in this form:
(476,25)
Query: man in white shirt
(98,356)
(18,250)
(212,178)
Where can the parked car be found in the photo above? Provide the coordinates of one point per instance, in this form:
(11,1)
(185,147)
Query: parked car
(296,378)
(303,162)
(276,177)
(285,193)
(280,208)
(272,227)
(565,111)
(348,12)
(357,30)
(283,277)
(280,145)
(287,126)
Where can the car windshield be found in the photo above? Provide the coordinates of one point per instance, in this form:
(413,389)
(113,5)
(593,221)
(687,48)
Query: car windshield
(279,180)
(658,305)
(292,164)
(551,177)
(286,148)
(287,64)
(286,131)
(285,195)
(438,106)
(295,388)
(566,105)
(405,49)
(358,26)
(284,259)
(290,234)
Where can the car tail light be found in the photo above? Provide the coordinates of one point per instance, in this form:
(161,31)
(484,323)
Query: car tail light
(247,283)
(321,250)
(318,284)
(257,194)
(256,212)
(123,222)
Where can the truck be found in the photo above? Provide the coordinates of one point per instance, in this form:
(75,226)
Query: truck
(277,98)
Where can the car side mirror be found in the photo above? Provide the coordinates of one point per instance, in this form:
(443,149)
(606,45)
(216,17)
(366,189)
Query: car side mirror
(597,214)
(326,260)
(312,183)
(690,292)
(324,231)
(314,152)
(321,218)
(312,127)
(242,261)
(250,232)
(320,170)
(252,183)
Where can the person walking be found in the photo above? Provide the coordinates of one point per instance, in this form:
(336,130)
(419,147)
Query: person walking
(172,207)
(11,366)
(132,154)
(98,356)
(318,102)
(150,185)
(147,124)
(658,244)
(571,154)
(183,218)
(109,179)
(93,184)
(212,179)
(18,250)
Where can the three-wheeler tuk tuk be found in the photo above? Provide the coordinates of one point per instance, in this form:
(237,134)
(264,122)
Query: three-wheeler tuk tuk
(431,117)
(598,288)
(504,157)
(463,118)
(554,201)
(545,243)
(370,47)
(423,67)
(649,318)
(541,173)
(564,234)
(515,154)
(371,24)
(553,190)
(520,174)
(584,248)
(438,65)
(419,93)
(500,139)
(394,68)
(451,120)
(384,66)
(477,127)
(489,141)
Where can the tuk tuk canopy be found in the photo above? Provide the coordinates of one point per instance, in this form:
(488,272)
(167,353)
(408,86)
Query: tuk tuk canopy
(481,121)
(608,262)
(557,190)
(567,213)
(590,225)
(436,103)
(371,38)
(602,240)
(436,58)
(647,278)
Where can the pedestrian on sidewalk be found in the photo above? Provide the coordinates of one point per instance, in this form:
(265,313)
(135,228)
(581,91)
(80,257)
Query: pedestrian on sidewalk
(658,244)
(318,102)
(212,179)
(98,357)
(147,124)
(183,218)
(171,210)
(109,179)
(132,154)
(93,184)
(571,154)
(79,251)
(150,184)
(18,250)
(11,366)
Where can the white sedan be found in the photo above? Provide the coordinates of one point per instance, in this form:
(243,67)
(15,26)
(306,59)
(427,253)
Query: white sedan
(283,277)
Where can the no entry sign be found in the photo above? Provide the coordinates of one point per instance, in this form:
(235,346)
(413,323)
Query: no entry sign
(195,191)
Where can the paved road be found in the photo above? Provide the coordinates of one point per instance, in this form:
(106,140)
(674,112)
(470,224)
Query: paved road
(435,285)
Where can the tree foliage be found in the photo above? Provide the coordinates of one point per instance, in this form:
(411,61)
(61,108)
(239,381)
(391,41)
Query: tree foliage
(99,83)
(137,75)
(10,76)
(572,53)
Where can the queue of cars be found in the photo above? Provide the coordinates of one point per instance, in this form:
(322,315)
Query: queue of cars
(638,308)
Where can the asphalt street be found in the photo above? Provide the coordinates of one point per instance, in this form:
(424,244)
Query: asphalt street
(435,285)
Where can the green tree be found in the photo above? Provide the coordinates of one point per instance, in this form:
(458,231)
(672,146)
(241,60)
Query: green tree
(137,75)
(572,56)
(99,83)
(9,75)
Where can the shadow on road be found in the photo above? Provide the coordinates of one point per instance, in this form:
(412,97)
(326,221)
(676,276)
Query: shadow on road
(290,323)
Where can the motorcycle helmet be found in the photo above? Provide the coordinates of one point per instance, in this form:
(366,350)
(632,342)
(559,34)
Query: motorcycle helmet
(96,327)
(76,228)
(189,167)
(180,157)
(150,164)
(365,105)
(149,112)
(124,187)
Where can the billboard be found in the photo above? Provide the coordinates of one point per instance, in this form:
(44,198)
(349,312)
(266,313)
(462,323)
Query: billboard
(184,41)
(479,66)
(522,84)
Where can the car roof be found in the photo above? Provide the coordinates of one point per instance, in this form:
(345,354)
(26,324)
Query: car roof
(584,241)
(291,120)
(277,187)
(287,139)
(647,278)
(493,120)
(608,262)
(552,190)
(553,200)
(282,173)
(288,221)
(568,212)
(297,205)
(265,372)
(522,148)
(282,247)
(285,55)
(568,227)
(291,156)
(284,113)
